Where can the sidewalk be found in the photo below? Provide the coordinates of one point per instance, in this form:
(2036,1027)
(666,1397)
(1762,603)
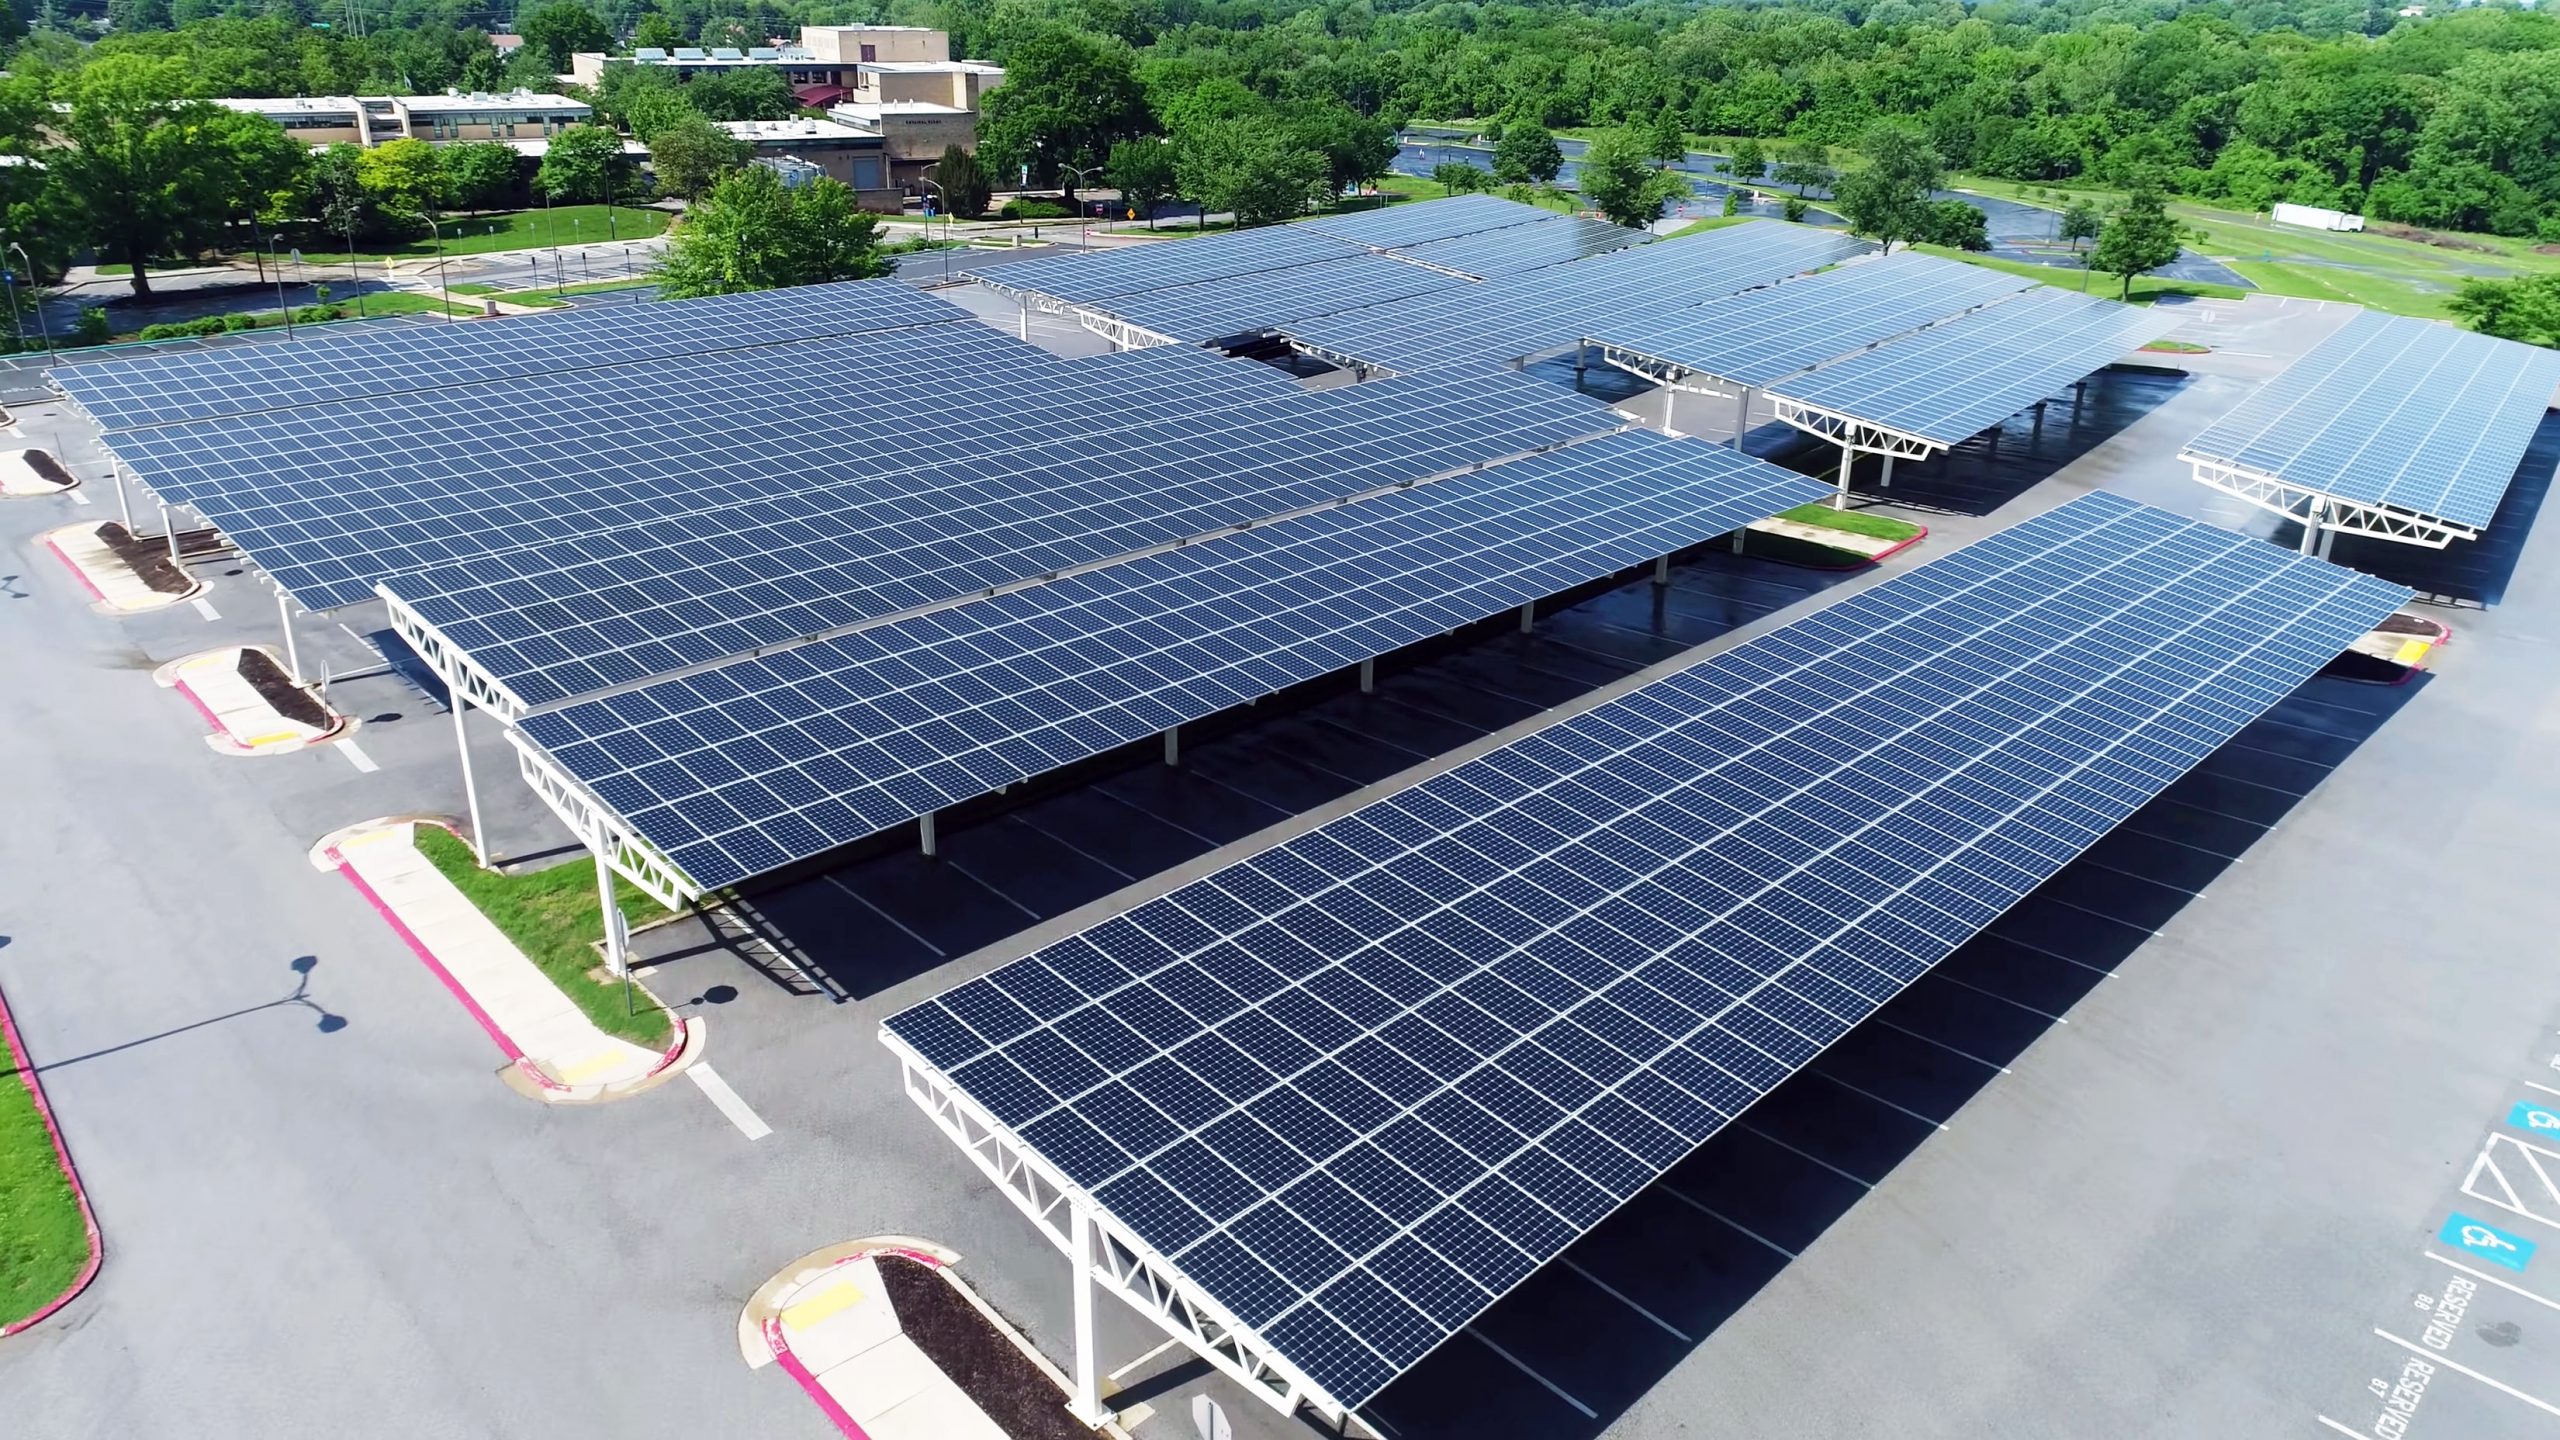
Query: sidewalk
(554,1051)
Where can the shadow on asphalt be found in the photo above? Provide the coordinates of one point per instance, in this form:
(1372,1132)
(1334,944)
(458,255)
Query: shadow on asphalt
(1634,1297)
(2003,463)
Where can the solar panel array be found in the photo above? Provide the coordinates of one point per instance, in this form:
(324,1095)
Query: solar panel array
(1954,381)
(1095,276)
(1394,227)
(767,761)
(1518,249)
(1245,376)
(1361,1084)
(1763,335)
(618,606)
(332,499)
(1501,321)
(1251,304)
(341,364)
(2395,411)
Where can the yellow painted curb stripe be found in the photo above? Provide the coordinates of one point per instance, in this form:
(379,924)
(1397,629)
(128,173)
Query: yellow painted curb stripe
(590,1067)
(2411,651)
(831,1299)
(272,737)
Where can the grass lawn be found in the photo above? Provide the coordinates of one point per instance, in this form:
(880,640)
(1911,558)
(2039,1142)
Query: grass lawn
(1712,222)
(589,287)
(518,230)
(2178,347)
(43,1242)
(2146,288)
(1856,522)
(553,917)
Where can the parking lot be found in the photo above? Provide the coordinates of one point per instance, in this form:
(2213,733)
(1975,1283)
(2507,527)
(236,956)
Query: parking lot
(2167,1150)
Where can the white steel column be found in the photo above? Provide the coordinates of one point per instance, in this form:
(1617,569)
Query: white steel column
(292,653)
(124,502)
(1087,1405)
(1368,677)
(470,787)
(617,953)
(1662,570)
(1848,462)
(2328,538)
(924,830)
(1025,302)
(1173,746)
(1741,417)
(2312,515)
(1528,617)
(1885,481)
(170,525)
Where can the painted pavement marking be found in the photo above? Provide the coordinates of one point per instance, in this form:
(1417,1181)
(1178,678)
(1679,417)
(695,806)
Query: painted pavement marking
(747,1121)
(356,757)
(205,608)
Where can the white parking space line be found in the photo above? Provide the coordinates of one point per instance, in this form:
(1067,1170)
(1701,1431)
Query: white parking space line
(2438,1358)
(2341,1429)
(1516,1363)
(747,1121)
(79,497)
(363,762)
(205,608)
(2545,1303)
(2545,1089)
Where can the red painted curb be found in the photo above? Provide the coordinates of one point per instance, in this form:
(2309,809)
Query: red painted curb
(26,1071)
(419,947)
(85,582)
(790,1363)
(204,710)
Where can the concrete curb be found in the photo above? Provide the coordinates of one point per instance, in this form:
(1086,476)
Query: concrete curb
(226,741)
(146,600)
(62,1156)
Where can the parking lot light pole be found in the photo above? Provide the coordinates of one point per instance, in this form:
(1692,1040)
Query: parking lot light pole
(281,303)
(941,202)
(1084,207)
(36,289)
(444,283)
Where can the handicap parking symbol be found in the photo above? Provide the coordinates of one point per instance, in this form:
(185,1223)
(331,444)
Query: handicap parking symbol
(2532,1118)
(2486,1241)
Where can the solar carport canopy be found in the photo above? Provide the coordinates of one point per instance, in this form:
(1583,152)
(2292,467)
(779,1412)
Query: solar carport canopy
(1501,321)
(1352,1089)
(1393,227)
(333,364)
(1953,381)
(1095,276)
(1249,304)
(1517,249)
(1764,335)
(620,606)
(2395,412)
(783,757)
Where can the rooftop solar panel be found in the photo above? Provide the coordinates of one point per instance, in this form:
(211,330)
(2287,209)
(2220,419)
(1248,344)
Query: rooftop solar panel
(618,606)
(891,723)
(1356,1087)
(1246,376)
(1393,227)
(1252,304)
(1501,321)
(1518,249)
(338,365)
(2395,411)
(1763,335)
(1953,381)
(331,499)
(1163,264)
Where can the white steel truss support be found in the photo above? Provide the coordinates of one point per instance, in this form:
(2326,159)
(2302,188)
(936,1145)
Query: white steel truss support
(292,651)
(1852,432)
(470,786)
(451,664)
(1360,369)
(1121,333)
(1032,299)
(2350,517)
(1116,1262)
(614,843)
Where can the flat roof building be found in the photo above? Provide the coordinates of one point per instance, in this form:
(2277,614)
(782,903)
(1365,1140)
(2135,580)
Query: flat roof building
(858,157)
(436,119)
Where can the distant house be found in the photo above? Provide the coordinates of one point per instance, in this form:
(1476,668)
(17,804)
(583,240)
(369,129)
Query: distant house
(855,156)
(506,45)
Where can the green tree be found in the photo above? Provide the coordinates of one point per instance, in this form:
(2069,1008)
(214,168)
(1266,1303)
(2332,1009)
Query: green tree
(1356,148)
(1526,152)
(1457,177)
(336,197)
(480,175)
(1805,164)
(1142,170)
(1617,179)
(554,32)
(2526,308)
(2081,221)
(1957,224)
(966,190)
(1886,195)
(750,233)
(583,163)
(1795,209)
(1067,98)
(148,172)
(1748,161)
(2138,237)
(652,110)
(1249,170)
(755,93)
(656,32)
(405,180)
(692,154)
(1668,141)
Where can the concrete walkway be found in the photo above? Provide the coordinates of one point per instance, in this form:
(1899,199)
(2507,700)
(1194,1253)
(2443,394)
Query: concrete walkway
(553,1049)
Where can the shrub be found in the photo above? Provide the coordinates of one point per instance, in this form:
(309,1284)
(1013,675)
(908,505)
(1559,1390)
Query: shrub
(1021,209)
(315,314)
(182,329)
(239,321)
(1796,208)
(93,327)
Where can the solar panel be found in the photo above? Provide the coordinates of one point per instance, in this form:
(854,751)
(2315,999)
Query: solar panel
(2395,411)
(618,606)
(329,500)
(1418,222)
(1246,376)
(1252,304)
(1956,380)
(1762,335)
(1504,320)
(1357,1086)
(345,364)
(1518,249)
(1163,264)
(879,727)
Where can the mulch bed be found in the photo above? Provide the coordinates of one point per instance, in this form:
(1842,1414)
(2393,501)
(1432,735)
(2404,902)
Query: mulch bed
(1020,1397)
(277,689)
(149,558)
(49,469)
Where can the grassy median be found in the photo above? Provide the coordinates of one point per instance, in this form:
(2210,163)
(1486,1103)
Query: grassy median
(43,1241)
(1856,522)
(553,916)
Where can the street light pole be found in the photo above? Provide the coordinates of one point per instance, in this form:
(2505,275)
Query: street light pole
(941,202)
(34,288)
(1084,207)
(281,303)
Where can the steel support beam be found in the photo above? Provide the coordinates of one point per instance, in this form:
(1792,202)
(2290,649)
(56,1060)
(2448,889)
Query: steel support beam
(1173,746)
(1368,677)
(1662,570)
(1741,416)
(924,833)
(470,786)
(292,652)
(1087,1405)
(617,949)
(1885,480)
(2297,502)
(1848,466)
(1528,617)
